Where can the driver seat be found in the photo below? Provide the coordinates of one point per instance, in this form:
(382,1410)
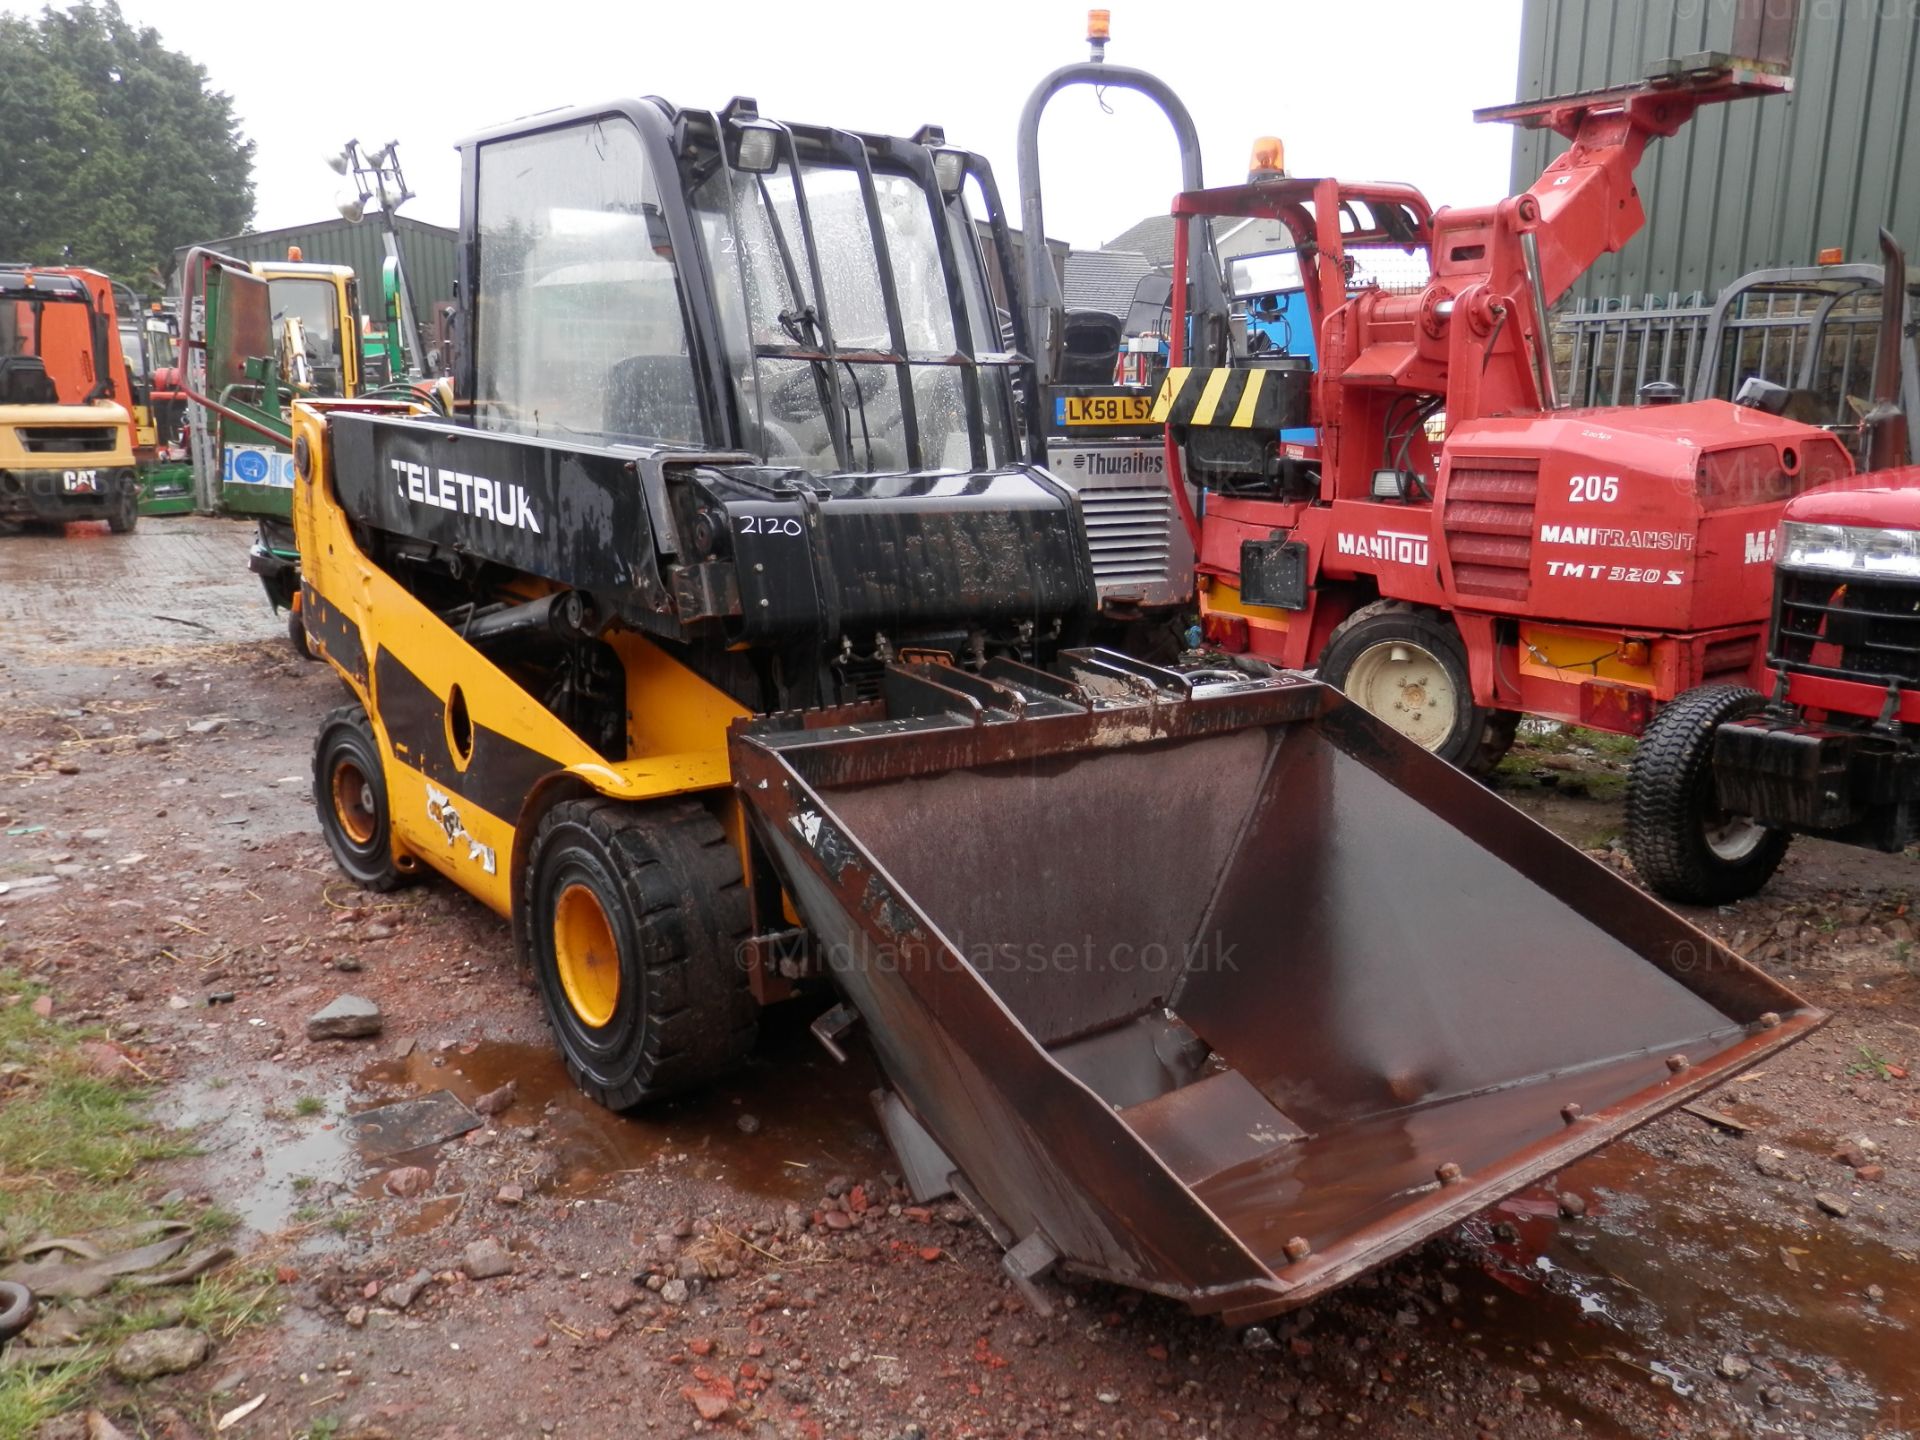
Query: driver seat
(24,381)
(652,397)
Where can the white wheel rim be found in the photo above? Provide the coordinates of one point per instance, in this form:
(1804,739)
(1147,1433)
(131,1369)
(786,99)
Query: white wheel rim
(1405,685)
(1732,838)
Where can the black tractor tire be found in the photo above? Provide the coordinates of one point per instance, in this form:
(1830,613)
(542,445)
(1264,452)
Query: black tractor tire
(350,792)
(126,509)
(635,918)
(1370,637)
(1684,846)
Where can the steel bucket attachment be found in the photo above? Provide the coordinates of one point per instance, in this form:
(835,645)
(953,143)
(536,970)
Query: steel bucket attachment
(1218,988)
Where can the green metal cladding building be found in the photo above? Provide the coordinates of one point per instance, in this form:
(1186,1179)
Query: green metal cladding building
(1753,183)
(427,249)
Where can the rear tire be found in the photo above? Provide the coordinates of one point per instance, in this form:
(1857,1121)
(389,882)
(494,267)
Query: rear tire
(1684,846)
(350,792)
(297,636)
(1408,668)
(635,918)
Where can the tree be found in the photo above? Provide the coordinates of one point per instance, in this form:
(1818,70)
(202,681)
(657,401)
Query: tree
(114,151)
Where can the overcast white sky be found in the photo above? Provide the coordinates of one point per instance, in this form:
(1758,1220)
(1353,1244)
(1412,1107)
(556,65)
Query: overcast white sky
(1363,89)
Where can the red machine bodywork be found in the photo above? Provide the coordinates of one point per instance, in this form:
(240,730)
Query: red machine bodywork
(1596,563)
(1891,503)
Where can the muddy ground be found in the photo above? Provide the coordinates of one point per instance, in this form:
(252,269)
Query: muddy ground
(746,1257)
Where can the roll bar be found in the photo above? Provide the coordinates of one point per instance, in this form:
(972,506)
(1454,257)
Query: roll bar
(1045,305)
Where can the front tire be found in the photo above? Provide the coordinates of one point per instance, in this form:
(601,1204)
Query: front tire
(1408,668)
(126,510)
(1684,846)
(350,792)
(635,918)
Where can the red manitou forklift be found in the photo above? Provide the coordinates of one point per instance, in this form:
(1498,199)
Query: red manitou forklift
(1449,546)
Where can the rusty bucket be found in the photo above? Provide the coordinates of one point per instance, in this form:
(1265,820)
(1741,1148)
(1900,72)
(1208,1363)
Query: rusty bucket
(1217,987)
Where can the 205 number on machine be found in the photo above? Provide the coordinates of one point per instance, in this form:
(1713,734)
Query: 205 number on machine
(1594,489)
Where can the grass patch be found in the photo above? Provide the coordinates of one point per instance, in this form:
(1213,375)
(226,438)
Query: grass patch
(308,1106)
(1521,771)
(69,1140)
(1554,739)
(1604,784)
(74,1148)
(29,1397)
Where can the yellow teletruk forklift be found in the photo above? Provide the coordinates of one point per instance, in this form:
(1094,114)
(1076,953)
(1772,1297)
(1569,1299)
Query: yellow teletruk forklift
(730,639)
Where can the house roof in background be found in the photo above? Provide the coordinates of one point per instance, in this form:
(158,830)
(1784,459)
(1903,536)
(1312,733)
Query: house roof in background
(1104,280)
(1153,238)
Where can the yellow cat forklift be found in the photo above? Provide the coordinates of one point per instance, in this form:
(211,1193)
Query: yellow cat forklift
(727,638)
(66,434)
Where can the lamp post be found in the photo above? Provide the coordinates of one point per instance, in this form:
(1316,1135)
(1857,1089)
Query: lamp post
(376,175)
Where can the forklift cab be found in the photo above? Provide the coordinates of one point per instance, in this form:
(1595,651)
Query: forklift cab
(1337,241)
(314,311)
(812,297)
(150,349)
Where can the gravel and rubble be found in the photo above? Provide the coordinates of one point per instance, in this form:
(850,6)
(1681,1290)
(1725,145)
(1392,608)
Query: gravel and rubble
(745,1262)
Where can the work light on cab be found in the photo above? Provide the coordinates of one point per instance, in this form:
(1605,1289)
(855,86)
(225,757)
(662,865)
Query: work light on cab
(755,143)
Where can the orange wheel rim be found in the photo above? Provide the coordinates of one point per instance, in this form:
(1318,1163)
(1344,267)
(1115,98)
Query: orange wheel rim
(353,803)
(586,955)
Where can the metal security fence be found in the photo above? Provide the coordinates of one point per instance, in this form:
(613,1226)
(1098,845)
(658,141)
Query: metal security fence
(1606,351)
(1811,330)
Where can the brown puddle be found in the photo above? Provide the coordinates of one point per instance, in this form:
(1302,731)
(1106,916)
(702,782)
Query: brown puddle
(1658,1281)
(265,1168)
(814,1121)
(814,1118)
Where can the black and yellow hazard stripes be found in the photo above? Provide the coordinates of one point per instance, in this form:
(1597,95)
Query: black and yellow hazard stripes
(1253,398)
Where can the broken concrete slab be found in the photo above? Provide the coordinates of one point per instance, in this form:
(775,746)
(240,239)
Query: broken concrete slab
(351,1017)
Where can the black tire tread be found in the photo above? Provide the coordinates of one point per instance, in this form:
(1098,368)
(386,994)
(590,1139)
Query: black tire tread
(1664,794)
(125,515)
(389,877)
(680,876)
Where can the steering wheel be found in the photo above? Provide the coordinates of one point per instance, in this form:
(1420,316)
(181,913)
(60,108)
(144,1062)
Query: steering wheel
(795,397)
